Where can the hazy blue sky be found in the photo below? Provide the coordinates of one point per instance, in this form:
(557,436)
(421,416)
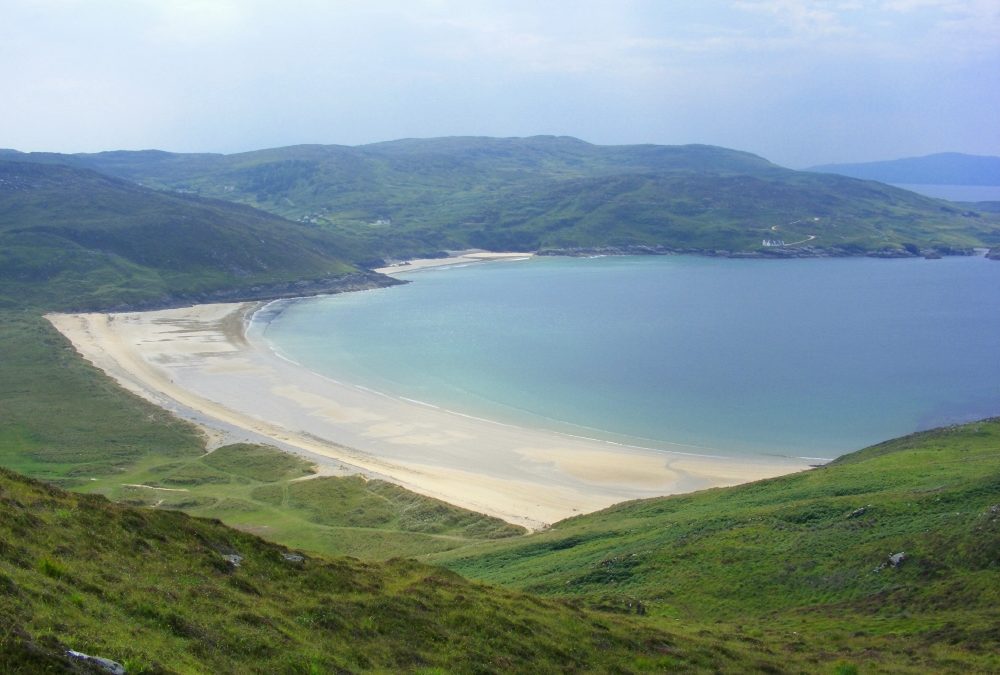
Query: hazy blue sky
(799,82)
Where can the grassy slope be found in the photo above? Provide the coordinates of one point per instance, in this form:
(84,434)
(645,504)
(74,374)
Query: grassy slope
(64,421)
(61,419)
(76,238)
(731,212)
(345,516)
(545,192)
(791,562)
(153,590)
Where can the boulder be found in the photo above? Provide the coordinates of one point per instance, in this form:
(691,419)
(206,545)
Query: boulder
(106,665)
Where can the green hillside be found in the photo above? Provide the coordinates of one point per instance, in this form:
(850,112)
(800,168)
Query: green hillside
(411,197)
(801,563)
(72,238)
(164,592)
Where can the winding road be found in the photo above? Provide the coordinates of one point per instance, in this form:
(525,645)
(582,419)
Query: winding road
(810,237)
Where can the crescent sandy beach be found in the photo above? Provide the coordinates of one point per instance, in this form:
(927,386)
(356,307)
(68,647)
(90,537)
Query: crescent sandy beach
(208,364)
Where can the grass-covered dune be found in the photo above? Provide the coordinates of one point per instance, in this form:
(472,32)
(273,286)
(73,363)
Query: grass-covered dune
(412,196)
(888,557)
(74,238)
(160,591)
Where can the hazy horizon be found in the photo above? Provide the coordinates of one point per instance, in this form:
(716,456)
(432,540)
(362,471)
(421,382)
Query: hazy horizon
(799,84)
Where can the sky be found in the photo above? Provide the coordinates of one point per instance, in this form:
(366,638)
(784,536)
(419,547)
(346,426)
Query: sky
(799,82)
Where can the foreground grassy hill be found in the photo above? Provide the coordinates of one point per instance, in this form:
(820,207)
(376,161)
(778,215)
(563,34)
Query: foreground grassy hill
(888,557)
(74,238)
(164,592)
(410,197)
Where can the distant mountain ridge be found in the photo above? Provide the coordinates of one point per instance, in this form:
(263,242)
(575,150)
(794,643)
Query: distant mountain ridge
(946,168)
(409,197)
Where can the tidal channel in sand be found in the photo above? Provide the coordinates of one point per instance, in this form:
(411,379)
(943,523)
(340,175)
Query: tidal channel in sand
(202,364)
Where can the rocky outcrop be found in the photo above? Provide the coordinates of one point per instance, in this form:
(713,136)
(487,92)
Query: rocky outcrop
(97,662)
(893,560)
(858,512)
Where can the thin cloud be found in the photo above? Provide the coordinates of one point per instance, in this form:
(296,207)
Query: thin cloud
(799,82)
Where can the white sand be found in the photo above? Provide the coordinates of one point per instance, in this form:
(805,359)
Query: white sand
(456,260)
(197,362)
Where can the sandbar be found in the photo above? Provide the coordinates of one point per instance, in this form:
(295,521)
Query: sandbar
(201,363)
(456,259)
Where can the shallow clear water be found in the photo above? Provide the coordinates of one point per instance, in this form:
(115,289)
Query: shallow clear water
(796,357)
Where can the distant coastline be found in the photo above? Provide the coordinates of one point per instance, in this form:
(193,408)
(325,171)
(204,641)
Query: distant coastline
(767,253)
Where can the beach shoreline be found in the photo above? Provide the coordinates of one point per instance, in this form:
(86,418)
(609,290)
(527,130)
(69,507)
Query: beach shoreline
(456,259)
(203,364)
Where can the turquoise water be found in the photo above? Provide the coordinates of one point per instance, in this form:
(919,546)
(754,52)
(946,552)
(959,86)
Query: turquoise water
(809,358)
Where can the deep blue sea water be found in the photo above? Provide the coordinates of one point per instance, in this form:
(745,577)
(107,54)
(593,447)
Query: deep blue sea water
(795,357)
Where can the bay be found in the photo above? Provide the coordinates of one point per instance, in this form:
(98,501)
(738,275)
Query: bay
(806,358)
